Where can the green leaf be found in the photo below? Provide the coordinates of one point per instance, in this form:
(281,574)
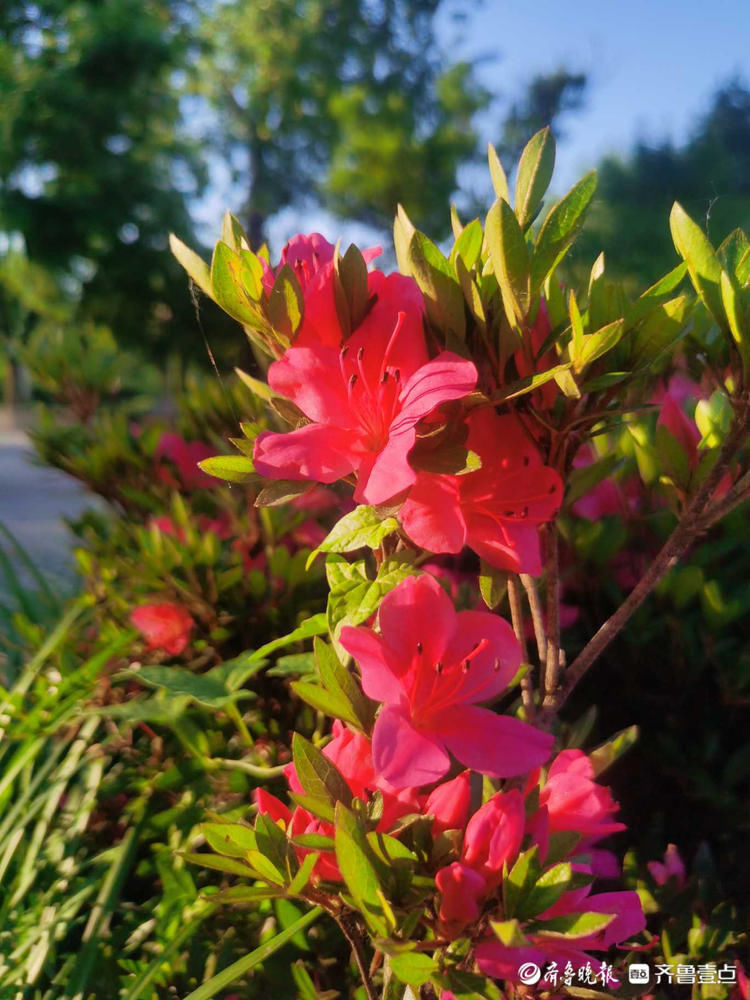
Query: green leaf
(444,300)
(413,967)
(521,879)
(285,303)
(550,886)
(197,269)
(353,596)
(323,700)
(337,679)
(219,863)
(403,231)
(497,174)
(713,418)
(576,325)
(260,389)
(236,970)
(510,260)
(665,324)
(361,527)
(527,384)
(703,264)
(358,869)
(509,933)
(178,682)
(574,925)
(493,583)
(673,459)
(560,228)
(281,491)
(612,749)
(317,775)
(737,317)
(595,345)
(232,233)
(300,880)
(228,288)
(534,174)
(351,288)
(230,468)
(315,625)
(468,246)
(582,481)
(232,840)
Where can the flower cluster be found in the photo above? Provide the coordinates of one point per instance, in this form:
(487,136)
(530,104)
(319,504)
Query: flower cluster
(366,398)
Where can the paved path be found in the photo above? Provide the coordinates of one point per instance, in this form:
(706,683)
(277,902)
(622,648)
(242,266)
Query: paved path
(33,499)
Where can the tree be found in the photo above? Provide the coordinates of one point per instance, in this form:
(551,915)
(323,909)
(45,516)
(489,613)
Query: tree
(339,101)
(547,99)
(93,169)
(709,175)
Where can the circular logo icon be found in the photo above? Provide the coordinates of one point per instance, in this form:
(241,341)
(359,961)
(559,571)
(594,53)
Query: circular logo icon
(529,973)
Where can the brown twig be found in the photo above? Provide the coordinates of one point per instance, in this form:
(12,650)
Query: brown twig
(551,676)
(516,614)
(354,935)
(537,615)
(692,523)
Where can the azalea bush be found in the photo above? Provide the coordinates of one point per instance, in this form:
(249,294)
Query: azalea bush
(487,419)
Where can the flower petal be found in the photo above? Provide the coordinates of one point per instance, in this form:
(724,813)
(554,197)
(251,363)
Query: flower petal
(505,544)
(497,745)
(379,680)
(403,756)
(432,515)
(444,378)
(310,377)
(418,611)
(495,666)
(315,451)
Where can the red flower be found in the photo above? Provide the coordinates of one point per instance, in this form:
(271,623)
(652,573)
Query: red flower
(431,666)
(501,962)
(573,799)
(164,626)
(461,889)
(493,836)
(185,455)
(496,510)
(364,399)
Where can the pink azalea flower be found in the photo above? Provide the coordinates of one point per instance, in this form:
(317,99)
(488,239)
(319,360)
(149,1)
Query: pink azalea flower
(574,801)
(364,401)
(431,666)
(308,255)
(449,804)
(164,626)
(496,510)
(493,836)
(185,455)
(673,867)
(501,962)
(461,888)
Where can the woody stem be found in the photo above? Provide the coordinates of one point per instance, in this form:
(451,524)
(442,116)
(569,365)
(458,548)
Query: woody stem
(695,519)
(516,614)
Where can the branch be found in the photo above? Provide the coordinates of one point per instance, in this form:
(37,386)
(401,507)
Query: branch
(516,614)
(552,665)
(692,524)
(353,934)
(537,616)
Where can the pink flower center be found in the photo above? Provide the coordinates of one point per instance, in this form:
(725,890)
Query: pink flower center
(373,401)
(437,686)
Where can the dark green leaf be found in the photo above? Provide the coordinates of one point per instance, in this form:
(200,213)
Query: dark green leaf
(560,228)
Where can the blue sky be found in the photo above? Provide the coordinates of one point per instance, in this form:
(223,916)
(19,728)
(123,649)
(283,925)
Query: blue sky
(652,66)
